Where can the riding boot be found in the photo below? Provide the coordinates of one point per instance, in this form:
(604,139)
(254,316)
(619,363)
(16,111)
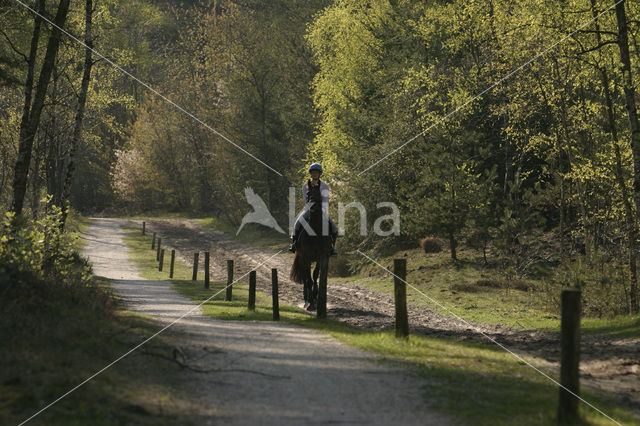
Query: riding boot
(292,247)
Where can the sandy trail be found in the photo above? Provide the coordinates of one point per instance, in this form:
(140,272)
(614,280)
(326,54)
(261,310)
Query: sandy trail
(261,372)
(611,364)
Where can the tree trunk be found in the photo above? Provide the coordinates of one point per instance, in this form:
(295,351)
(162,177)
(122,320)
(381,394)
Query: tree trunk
(51,136)
(82,99)
(31,66)
(562,217)
(630,222)
(263,139)
(27,136)
(452,246)
(629,94)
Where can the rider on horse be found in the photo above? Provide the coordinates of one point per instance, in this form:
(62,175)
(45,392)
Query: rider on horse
(315,170)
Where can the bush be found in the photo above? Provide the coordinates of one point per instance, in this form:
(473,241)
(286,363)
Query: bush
(431,245)
(602,282)
(41,275)
(38,247)
(339,266)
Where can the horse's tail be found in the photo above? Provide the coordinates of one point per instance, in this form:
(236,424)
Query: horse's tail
(297,272)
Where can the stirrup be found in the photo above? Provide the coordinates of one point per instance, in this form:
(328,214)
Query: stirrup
(292,248)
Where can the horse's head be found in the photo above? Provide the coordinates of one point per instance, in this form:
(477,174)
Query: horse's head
(315,198)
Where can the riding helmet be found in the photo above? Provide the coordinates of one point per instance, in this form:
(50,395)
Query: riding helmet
(315,166)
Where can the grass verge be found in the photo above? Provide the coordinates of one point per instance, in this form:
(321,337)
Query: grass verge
(54,337)
(473,383)
(251,233)
(76,225)
(480,294)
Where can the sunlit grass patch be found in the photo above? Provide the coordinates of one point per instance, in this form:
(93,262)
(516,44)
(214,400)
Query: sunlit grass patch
(480,294)
(251,233)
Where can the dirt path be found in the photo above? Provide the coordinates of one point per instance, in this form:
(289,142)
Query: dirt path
(610,364)
(261,372)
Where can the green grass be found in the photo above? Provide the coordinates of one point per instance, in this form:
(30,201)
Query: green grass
(473,383)
(627,326)
(76,224)
(453,284)
(251,233)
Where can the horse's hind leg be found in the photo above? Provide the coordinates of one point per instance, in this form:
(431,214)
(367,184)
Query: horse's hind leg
(311,306)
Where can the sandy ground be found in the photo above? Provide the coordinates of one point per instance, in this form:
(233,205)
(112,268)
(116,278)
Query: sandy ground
(260,372)
(607,363)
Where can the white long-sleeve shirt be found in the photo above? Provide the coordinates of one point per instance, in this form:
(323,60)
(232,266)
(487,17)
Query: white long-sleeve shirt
(324,192)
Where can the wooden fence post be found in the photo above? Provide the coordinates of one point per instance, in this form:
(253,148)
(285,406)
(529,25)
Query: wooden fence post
(161,260)
(194,277)
(252,290)
(400,295)
(569,356)
(229,280)
(144,224)
(153,241)
(158,250)
(274,294)
(321,308)
(173,259)
(206,269)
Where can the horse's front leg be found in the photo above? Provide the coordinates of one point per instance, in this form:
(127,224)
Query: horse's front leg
(305,291)
(314,286)
(308,285)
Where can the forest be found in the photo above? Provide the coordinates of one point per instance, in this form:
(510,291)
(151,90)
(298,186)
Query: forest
(508,127)
(504,133)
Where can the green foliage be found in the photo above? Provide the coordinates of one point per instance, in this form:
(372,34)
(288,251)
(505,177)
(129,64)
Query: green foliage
(39,248)
(513,152)
(605,293)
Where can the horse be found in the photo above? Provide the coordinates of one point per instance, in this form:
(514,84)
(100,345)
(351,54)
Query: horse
(313,248)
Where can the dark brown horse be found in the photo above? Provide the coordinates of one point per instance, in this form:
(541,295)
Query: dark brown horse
(313,248)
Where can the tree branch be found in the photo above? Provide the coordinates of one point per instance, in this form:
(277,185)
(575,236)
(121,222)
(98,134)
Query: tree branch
(13,47)
(183,364)
(600,45)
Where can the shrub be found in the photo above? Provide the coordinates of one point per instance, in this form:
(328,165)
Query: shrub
(40,273)
(431,245)
(38,246)
(339,266)
(603,284)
